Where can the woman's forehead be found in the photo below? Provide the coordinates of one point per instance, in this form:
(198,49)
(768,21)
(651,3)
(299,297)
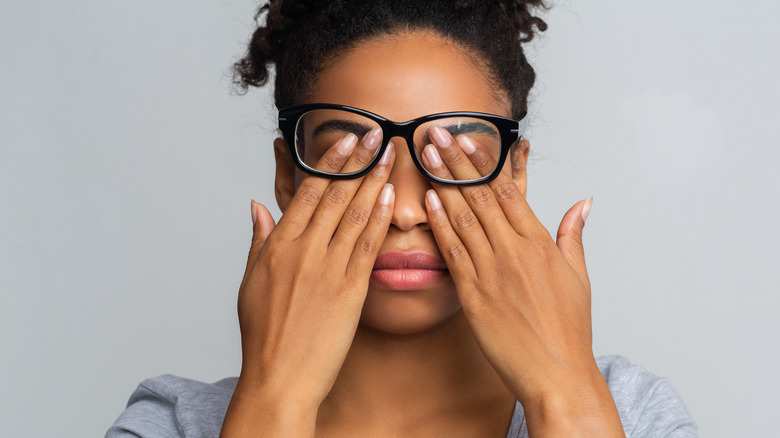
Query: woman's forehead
(406,76)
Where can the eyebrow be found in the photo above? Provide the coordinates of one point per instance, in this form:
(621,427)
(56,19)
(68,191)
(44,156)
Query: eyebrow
(467,128)
(338,125)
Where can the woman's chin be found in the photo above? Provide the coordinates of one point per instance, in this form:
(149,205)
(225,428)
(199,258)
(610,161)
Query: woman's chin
(406,312)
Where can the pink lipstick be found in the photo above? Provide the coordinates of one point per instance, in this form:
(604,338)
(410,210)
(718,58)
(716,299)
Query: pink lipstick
(412,270)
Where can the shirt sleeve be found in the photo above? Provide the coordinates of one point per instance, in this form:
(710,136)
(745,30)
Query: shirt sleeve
(648,405)
(149,414)
(664,415)
(168,406)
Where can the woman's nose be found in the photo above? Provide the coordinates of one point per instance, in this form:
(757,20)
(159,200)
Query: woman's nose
(410,188)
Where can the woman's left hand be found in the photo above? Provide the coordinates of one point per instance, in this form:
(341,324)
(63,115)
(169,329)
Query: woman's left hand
(526,297)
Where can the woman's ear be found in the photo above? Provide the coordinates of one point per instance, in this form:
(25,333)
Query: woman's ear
(519,158)
(284,183)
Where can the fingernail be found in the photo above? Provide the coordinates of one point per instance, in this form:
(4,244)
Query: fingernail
(347,144)
(386,156)
(373,139)
(254,212)
(432,155)
(433,200)
(387,194)
(441,137)
(467,144)
(586,209)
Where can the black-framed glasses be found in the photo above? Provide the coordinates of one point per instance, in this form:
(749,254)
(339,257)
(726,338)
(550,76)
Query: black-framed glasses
(311,130)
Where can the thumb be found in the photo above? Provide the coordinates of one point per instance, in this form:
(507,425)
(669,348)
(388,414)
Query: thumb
(569,239)
(262,225)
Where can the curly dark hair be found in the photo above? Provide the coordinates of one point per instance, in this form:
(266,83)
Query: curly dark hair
(299,36)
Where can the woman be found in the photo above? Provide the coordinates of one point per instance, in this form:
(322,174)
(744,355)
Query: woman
(408,289)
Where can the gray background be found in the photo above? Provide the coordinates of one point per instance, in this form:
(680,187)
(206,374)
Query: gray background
(126,170)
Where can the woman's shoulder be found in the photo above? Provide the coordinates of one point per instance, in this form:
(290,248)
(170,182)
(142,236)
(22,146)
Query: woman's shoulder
(648,404)
(172,406)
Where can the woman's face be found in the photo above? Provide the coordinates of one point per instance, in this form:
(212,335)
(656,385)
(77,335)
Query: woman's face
(401,78)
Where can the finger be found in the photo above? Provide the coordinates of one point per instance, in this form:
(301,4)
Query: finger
(262,225)
(366,248)
(477,154)
(460,215)
(432,161)
(338,196)
(569,239)
(453,155)
(308,195)
(365,153)
(507,194)
(357,214)
(468,160)
(450,245)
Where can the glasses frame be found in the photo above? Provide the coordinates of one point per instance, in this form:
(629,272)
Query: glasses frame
(510,131)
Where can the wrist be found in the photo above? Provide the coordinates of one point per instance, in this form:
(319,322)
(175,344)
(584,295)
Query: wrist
(257,410)
(277,388)
(577,406)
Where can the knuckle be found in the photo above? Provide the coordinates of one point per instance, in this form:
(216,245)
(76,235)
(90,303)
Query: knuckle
(376,177)
(308,195)
(457,252)
(507,191)
(356,216)
(366,245)
(335,195)
(480,197)
(331,162)
(465,219)
(456,160)
(575,237)
(364,157)
(483,161)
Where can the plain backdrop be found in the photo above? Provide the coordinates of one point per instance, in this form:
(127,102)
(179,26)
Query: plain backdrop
(127,166)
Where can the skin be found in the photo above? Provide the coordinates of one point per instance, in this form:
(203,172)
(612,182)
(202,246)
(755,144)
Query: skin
(327,354)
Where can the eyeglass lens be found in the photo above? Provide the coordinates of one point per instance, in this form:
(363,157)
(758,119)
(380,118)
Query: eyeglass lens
(319,130)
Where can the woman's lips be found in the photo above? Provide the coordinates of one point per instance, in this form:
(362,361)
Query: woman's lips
(407,270)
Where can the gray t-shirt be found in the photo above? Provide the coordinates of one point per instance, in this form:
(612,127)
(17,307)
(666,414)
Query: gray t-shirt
(170,406)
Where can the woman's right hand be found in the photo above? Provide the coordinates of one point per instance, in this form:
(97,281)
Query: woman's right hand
(303,290)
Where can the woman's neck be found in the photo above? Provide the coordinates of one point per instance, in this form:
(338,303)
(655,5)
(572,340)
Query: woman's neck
(433,378)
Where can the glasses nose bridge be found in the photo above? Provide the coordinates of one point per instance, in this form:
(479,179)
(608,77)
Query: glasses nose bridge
(404,130)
